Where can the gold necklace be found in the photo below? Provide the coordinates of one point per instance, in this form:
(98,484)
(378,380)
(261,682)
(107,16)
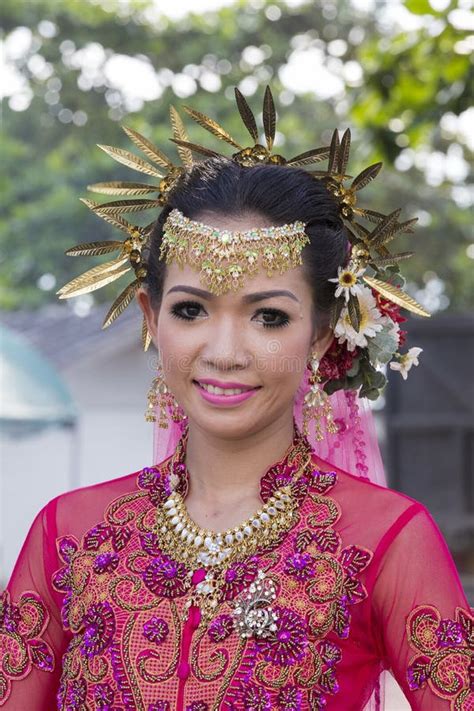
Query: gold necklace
(196,547)
(184,541)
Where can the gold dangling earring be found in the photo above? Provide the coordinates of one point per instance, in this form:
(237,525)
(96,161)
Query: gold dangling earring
(317,404)
(160,396)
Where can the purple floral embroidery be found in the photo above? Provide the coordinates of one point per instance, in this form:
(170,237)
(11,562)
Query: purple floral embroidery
(317,701)
(323,481)
(300,488)
(330,653)
(118,535)
(166,577)
(277,476)
(160,482)
(99,624)
(220,628)
(10,616)
(290,698)
(62,579)
(67,547)
(288,643)
(197,706)
(449,633)
(444,653)
(105,563)
(300,565)
(418,673)
(156,630)
(103,696)
(22,625)
(342,623)
(76,695)
(329,682)
(159,706)
(256,698)
(239,576)
(40,654)
(150,543)
(98,535)
(152,479)
(282,473)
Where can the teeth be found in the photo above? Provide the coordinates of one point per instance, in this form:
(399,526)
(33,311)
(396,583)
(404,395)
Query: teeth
(221,391)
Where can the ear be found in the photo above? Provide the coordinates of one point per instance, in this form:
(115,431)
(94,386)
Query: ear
(150,313)
(322,342)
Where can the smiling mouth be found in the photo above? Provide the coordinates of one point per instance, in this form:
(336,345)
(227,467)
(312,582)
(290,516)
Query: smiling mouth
(214,390)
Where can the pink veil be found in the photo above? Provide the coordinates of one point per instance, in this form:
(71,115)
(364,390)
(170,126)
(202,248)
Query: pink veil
(354,449)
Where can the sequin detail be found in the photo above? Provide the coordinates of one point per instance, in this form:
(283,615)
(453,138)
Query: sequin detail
(444,658)
(22,648)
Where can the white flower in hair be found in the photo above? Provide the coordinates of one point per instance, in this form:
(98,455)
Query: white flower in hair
(347,282)
(406,361)
(371,321)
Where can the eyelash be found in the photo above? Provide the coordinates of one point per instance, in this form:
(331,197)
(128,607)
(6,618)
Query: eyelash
(176,312)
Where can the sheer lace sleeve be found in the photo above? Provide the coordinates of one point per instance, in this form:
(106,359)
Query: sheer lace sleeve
(31,636)
(422,621)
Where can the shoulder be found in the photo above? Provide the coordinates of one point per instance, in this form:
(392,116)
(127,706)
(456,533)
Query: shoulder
(369,512)
(103,491)
(76,512)
(366,490)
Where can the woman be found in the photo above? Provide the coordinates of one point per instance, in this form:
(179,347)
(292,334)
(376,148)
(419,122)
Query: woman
(245,570)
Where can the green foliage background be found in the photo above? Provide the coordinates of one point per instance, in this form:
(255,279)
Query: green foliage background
(416,77)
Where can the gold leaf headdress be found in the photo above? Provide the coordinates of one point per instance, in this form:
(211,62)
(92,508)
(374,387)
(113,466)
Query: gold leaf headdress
(369,247)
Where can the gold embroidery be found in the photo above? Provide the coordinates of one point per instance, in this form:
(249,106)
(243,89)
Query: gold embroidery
(267,675)
(129,667)
(218,659)
(447,651)
(155,678)
(22,648)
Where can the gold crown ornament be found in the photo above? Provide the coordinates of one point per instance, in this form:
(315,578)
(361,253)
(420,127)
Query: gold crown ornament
(224,257)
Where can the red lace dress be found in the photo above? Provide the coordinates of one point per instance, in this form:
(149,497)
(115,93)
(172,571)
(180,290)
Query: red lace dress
(95,615)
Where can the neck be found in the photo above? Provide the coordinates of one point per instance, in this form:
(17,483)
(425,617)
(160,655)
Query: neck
(228,470)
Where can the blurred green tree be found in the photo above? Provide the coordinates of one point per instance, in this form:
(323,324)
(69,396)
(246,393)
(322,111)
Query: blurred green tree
(76,69)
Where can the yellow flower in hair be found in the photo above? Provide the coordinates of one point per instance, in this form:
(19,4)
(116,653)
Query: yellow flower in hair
(347,280)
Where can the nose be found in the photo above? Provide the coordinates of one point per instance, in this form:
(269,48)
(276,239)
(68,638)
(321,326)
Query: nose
(226,347)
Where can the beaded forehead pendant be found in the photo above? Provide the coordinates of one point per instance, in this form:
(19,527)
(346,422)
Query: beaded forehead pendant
(223,257)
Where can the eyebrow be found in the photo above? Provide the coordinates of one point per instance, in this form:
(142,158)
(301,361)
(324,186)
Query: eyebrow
(247,299)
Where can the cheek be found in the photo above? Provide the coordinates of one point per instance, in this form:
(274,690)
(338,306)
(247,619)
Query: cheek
(177,348)
(286,357)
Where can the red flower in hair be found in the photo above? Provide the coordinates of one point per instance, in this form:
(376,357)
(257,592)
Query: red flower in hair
(388,308)
(336,361)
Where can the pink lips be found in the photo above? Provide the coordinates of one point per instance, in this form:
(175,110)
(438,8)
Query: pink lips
(225,399)
(230,384)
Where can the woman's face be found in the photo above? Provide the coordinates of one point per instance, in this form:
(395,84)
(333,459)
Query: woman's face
(258,337)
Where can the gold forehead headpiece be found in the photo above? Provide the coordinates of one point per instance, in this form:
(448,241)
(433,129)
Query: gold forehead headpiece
(279,247)
(223,257)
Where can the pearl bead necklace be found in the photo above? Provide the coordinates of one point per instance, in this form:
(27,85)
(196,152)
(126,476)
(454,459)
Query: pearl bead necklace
(207,548)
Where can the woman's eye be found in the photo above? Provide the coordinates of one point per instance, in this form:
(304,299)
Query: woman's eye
(190,310)
(187,310)
(273,318)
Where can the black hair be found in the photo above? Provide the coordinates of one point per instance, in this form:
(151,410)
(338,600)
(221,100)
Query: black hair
(281,194)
